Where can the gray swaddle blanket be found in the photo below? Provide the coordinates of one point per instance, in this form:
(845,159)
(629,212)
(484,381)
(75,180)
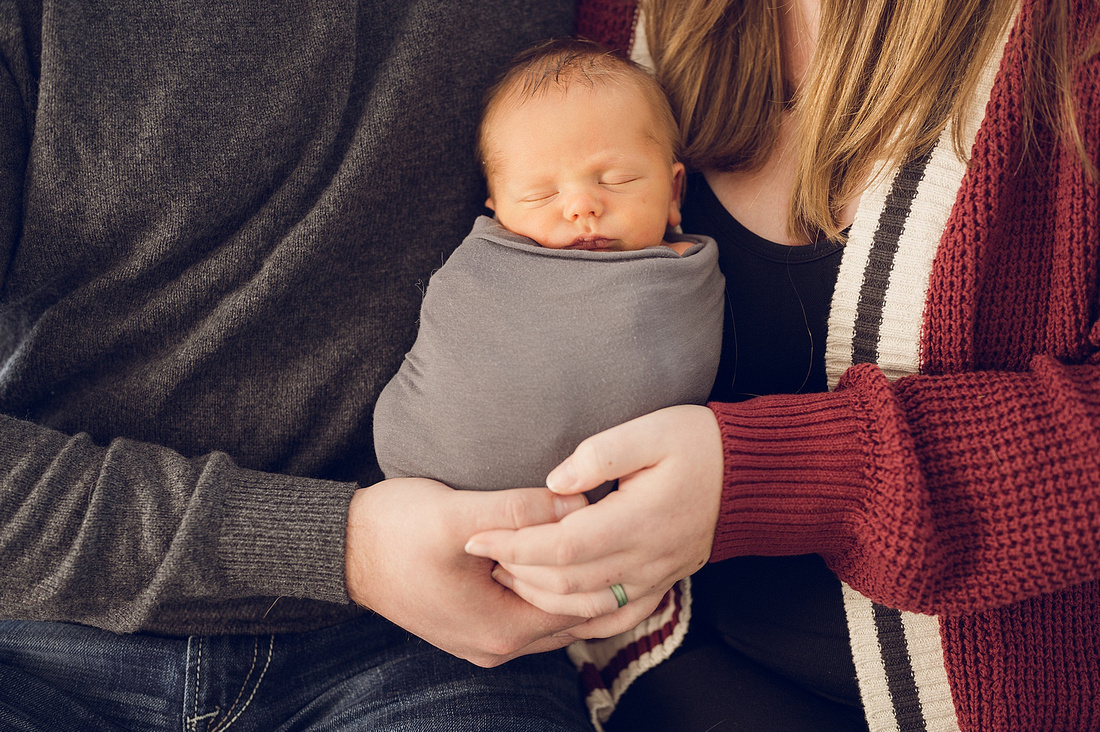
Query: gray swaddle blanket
(524,351)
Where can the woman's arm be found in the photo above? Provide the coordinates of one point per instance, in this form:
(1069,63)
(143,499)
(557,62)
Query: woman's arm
(934,494)
(656,528)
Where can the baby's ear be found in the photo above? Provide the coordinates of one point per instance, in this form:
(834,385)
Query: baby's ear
(490,205)
(677,194)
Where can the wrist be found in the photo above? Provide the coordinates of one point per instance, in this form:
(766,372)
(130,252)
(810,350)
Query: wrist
(356,555)
(794,476)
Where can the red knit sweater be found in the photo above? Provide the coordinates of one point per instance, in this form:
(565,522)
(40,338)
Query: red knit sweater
(970,491)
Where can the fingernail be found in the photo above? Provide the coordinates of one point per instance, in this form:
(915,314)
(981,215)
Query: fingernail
(477,549)
(562,478)
(502,577)
(565,505)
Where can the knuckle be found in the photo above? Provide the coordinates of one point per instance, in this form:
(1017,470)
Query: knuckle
(633,618)
(627,618)
(590,607)
(565,553)
(484,660)
(516,511)
(562,585)
(555,606)
(591,457)
(500,647)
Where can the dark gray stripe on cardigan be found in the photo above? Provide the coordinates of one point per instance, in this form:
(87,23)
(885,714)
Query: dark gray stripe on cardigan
(899,669)
(880,260)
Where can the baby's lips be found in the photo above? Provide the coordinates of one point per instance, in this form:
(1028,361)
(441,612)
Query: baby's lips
(590,243)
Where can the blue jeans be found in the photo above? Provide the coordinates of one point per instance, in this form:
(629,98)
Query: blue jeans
(366,674)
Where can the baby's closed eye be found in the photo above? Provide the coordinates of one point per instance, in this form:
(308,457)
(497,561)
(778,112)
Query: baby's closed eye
(618,180)
(539,198)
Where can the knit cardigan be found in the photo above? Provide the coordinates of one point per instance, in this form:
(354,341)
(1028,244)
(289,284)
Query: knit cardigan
(951,477)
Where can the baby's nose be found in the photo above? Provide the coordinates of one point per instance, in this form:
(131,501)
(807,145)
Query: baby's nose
(583,205)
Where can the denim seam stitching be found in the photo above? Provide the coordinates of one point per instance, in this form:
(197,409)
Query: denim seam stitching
(255,688)
(240,692)
(192,722)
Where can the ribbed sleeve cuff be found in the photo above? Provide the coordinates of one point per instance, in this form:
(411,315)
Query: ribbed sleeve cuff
(283,535)
(795,479)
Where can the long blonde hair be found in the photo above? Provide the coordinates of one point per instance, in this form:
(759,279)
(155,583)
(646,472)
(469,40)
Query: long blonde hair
(886,80)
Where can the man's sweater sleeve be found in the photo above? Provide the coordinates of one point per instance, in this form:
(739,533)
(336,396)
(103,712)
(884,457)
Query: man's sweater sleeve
(936,494)
(105,535)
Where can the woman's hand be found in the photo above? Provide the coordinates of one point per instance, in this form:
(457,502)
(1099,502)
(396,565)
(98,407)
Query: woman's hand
(657,527)
(405,561)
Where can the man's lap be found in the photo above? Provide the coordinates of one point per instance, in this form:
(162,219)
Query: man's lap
(366,674)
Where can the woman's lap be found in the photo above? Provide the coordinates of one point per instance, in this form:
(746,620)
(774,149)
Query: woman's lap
(707,686)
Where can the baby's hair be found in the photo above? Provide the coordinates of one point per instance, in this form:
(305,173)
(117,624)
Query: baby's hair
(555,65)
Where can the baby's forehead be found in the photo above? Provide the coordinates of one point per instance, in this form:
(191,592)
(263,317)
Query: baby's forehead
(616,97)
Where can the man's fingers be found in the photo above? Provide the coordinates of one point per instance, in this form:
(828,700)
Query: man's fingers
(518,508)
(542,645)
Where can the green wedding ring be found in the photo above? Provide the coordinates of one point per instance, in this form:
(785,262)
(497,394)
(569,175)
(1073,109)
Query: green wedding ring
(620,594)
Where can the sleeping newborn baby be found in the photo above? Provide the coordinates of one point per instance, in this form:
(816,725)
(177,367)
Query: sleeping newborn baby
(573,310)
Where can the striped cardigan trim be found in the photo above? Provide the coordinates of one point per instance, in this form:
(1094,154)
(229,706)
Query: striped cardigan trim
(899,665)
(609,666)
(876,317)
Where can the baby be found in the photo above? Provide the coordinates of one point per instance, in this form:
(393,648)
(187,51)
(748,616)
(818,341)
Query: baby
(578,148)
(576,308)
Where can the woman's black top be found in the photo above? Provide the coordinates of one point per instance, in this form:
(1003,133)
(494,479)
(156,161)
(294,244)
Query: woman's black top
(777,304)
(768,641)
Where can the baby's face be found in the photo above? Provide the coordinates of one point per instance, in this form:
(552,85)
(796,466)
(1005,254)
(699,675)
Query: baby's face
(579,171)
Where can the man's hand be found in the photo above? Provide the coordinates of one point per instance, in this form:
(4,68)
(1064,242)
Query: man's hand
(405,560)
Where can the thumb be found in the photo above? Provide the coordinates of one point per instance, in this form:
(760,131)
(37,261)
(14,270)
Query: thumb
(606,456)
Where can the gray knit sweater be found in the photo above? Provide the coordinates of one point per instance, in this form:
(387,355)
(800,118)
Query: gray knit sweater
(213,222)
